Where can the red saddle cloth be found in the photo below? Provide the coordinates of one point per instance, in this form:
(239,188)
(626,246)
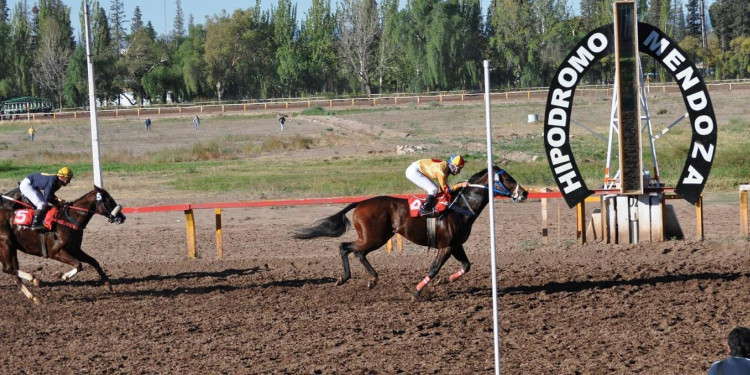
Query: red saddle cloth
(415,204)
(25,216)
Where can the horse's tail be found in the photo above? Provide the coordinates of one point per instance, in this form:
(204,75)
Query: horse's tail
(332,226)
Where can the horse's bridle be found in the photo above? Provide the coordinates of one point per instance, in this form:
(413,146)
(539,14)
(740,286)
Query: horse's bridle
(111,214)
(499,188)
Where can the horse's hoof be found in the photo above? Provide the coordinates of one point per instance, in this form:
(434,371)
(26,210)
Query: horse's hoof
(371,284)
(36,300)
(36,282)
(108,286)
(340,281)
(58,275)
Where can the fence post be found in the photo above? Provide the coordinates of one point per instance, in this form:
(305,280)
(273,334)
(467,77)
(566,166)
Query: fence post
(581,222)
(190,223)
(699,217)
(743,210)
(545,238)
(219,251)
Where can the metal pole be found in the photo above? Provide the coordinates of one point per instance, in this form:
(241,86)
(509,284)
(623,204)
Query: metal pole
(495,327)
(92,102)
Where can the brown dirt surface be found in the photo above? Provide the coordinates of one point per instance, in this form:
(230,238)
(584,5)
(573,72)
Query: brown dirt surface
(270,305)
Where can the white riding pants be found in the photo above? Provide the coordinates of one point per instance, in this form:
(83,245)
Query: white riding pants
(32,194)
(415,175)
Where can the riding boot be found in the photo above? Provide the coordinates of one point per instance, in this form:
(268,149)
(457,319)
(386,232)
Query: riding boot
(38,222)
(428,208)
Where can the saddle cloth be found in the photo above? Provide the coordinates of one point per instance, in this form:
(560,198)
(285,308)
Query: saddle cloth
(415,204)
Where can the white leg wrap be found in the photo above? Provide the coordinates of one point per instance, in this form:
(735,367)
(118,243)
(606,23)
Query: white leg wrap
(25,275)
(69,274)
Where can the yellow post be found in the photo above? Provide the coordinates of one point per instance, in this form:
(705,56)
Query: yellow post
(179,109)
(265,106)
(222,108)
(309,105)
(330,103)
(389,245)
(159,110)
(190,222)
(286,105)
(743,211)
(400,243)
(699,217)
(581,222)
(219,252)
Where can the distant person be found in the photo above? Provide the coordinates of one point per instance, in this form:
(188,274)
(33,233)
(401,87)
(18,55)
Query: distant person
(738,342)
(31,132)
(282,120)
(40,188)
(148,124)
(197,122)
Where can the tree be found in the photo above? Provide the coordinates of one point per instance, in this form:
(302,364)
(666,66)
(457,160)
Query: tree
(178,31)
(359,32)
(136,23)
(117,23)
(5,51)
(141,56)
(320,62)
(288,57)
(54,47)
(731,19)
(225,46)
(190,56)
(693,19)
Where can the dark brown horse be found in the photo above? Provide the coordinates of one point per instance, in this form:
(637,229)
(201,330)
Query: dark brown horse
(378,219)
(62,242)
(14,200)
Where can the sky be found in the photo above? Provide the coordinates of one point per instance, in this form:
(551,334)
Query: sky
(161,13)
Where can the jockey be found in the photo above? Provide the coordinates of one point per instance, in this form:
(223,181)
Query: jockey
(423,172)
(40,188)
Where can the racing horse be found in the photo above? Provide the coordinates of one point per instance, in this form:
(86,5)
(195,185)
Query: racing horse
(377,219)
(62,242)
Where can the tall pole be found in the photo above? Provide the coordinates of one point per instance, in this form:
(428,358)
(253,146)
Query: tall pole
(92,102)
(703,22)
(495,327)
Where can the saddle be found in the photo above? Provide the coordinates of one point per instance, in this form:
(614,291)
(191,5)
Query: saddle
(415,205)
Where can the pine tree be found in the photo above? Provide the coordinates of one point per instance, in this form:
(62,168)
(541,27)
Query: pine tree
(117,23)
(179,21)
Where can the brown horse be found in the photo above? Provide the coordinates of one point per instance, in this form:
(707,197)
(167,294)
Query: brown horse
(14,200)
(378,219)
(62,242)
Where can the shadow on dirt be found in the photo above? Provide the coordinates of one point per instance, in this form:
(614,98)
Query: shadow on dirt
(579,286)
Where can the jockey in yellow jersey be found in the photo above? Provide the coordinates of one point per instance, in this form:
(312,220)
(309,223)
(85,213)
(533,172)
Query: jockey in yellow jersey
(422,172)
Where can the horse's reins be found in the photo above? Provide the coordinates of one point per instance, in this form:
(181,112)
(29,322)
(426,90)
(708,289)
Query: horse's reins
(17,201)
(504,192)
(75,225)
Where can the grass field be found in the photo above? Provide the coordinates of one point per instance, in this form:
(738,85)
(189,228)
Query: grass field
(353,151)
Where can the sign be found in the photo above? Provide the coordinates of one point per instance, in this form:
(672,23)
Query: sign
(596,45)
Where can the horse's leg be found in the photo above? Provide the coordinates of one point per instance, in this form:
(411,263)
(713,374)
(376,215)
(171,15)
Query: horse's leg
(460,256)
(344,250)
(440,259)
(29,277)
(83,257)
(374,275)
(10,266)
(64,257)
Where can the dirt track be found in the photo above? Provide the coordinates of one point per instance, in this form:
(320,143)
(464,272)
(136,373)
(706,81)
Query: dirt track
(271,305)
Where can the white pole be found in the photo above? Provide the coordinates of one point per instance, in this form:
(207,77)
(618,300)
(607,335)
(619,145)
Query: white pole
(495,328)
(92,102)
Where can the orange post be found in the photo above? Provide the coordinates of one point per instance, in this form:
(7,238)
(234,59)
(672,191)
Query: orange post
(190,223)
(219,251)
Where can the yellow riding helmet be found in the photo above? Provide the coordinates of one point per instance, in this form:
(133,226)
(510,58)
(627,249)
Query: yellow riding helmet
(65,172)
(457,160)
